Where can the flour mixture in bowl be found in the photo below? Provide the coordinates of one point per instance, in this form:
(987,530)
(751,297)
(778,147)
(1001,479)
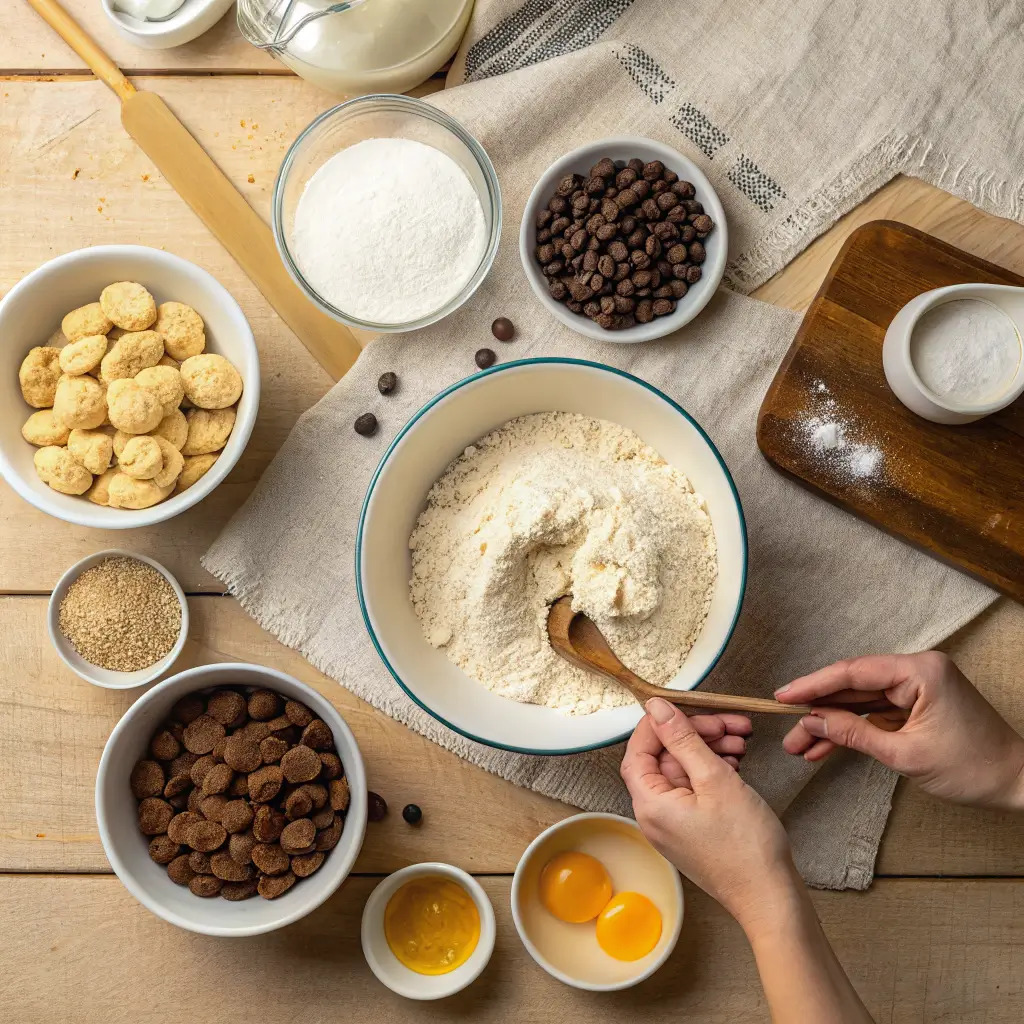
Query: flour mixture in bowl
(553,504)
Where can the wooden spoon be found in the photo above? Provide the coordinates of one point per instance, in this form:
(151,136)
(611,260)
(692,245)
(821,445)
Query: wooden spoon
(577,639)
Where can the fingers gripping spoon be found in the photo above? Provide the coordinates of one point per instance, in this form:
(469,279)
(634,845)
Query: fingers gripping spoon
(201,183)
(577,639)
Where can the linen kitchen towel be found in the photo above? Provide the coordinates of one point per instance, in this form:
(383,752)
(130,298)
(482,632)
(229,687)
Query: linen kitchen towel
(796,112)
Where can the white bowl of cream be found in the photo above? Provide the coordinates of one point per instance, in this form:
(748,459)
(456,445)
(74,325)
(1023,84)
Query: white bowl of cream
(954,355)
(397,494)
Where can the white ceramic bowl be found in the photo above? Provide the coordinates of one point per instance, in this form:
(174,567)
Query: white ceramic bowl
(127,848)
(189,22)
(32,310)
(383,116)
(104,677)
(569,952)
(580,161)
(390,971)
(419,454)
(902,375)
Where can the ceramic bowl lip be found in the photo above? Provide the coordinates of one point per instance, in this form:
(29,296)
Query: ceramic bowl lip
(178,22)
(940,297)
(517,882)
(418,108)
(399,978)
(83,512)
(714,267)
(61,643)
(355,821)
(416,417)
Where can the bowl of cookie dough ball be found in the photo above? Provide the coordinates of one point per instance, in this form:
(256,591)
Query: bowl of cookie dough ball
(129,386)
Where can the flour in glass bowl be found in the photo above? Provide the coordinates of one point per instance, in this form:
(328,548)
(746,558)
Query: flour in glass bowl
(553,504)
(388,230)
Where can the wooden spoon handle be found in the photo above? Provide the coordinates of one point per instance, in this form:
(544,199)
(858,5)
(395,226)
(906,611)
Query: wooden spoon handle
(761,705)
(84,45)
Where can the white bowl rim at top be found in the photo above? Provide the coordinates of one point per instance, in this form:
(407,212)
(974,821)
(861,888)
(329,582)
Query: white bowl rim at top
(531,948)
(108,678)
(190,21)
(713,268)
(403,980)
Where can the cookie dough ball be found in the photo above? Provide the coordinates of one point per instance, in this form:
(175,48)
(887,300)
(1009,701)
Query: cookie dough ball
(128,305)
(173,428)
(38,376)
(182,328)
(172,463)
(92,448)
(208,430)
(85,321)
(133,408)
(211,382)
(99,493)
(196,467)
(84,355)
(80,402)
(131,354)
(124,491)
(165,383)
(58,468)
(141,458)
(43,428)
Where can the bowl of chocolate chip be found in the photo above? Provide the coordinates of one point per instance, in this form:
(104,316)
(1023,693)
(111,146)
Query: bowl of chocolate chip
(624,240)
(231,800)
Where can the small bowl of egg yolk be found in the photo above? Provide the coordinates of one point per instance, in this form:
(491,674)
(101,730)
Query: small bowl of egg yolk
(595,904)
(428,931)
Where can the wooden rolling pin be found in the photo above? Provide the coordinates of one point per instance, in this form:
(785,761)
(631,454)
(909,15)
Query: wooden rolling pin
(219,205)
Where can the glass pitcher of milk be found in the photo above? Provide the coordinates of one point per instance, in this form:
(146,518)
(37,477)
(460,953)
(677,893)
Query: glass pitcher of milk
(359,46)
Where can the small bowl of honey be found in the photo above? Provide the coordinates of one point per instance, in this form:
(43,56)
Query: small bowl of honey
(428,931)
(595,904)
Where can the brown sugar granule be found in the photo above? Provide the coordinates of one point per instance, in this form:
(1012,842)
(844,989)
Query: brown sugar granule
(121,615)
(163,849)
(236,891)
(305,864)
(202,735)
(300,764)
(298,835)
(179,871)
(272,887)
(147,779)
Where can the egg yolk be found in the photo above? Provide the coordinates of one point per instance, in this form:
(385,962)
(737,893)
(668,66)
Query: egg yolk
(629,926)
(574,886)
(432,925)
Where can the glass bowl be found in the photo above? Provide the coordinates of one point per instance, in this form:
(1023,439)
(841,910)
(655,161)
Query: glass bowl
(375,117)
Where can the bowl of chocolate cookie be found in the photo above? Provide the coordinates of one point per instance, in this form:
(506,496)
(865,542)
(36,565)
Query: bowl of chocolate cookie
(231,800)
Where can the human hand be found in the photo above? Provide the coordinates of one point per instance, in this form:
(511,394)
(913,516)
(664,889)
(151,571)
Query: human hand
(953,743)
(700,815)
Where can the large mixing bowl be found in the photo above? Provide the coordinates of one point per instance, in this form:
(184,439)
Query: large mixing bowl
(439,432)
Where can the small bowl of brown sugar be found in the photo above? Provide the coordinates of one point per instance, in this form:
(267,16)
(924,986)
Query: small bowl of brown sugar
(118,619)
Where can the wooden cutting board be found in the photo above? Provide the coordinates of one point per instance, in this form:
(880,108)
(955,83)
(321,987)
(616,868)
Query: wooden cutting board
(830,420)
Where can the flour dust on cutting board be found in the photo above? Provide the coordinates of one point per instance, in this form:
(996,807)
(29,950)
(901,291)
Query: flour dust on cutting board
(839,444)
(552,504)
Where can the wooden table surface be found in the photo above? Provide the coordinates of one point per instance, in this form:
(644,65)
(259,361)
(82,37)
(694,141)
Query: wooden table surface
(939,937)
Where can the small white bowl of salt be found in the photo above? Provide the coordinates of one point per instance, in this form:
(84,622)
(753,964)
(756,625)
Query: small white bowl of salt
(955,354)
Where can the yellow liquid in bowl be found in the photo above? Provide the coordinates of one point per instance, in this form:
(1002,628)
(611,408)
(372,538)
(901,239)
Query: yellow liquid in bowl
(432,925)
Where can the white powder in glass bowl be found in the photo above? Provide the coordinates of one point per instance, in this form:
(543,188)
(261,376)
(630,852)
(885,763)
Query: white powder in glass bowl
(553,504)
(388,230)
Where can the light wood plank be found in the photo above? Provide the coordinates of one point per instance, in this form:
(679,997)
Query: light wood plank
(28,44)
(915,950)
(53,726)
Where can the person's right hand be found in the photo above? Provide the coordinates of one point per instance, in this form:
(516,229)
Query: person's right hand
(953,743)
